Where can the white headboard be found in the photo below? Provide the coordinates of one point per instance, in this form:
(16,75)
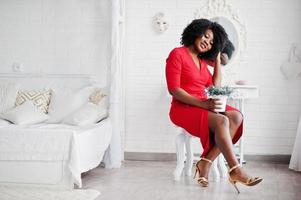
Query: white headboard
(41,81)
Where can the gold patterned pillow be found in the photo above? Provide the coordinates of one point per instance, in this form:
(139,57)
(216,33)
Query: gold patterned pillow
(96,96)
(41,99)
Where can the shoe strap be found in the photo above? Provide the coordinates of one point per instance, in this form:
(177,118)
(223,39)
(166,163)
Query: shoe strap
(234,167)
(205,159)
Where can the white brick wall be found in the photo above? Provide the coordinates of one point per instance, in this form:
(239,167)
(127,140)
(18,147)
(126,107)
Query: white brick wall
(55,36)
(271,120)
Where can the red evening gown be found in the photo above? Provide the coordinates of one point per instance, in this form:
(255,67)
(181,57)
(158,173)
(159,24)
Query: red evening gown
(181,72)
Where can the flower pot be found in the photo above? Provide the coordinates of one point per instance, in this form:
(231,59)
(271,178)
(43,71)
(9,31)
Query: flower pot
(223,100)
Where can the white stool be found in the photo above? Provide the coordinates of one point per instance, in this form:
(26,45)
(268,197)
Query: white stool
(185,163)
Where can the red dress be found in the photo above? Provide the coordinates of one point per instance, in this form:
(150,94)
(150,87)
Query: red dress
(181,72)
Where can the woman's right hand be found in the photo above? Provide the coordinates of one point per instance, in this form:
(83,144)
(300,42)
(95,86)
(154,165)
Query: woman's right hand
(212,104)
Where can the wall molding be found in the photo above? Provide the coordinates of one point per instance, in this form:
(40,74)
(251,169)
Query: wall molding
(43,75)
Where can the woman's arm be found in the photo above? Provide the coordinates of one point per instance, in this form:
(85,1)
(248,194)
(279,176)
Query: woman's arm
(183,96)
(217,73)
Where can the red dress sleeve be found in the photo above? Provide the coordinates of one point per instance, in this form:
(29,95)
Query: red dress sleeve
(173,70)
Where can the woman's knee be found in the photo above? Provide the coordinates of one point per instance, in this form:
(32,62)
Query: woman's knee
(224,121)
(218,120)
(235,118)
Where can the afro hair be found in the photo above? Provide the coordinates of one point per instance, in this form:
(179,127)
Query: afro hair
(197,29)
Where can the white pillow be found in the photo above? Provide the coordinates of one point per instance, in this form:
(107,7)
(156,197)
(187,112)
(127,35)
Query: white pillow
(65,102)
(40,98)
(26,113)
(86,115)
(8,94)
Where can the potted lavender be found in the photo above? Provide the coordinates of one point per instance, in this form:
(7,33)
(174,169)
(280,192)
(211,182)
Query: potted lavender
(220,93)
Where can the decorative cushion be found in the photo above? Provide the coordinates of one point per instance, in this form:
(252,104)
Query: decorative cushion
(96,96)
(41,99)
(65,102)
(88,114)
(26,113)
(8,94)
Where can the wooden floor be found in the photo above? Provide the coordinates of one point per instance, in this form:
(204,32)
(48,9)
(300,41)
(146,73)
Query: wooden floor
(144,180)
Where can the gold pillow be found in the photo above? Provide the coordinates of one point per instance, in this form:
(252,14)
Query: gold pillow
(96,96)
(41,99)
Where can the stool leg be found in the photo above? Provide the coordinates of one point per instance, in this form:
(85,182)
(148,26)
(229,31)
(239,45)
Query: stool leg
(180,140)
(189,155)
(215,171)
(222,166)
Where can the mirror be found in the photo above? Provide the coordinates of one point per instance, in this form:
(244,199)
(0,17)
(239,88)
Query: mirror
(231,31)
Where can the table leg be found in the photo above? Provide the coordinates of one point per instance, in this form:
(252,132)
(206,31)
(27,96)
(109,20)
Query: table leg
(241,141)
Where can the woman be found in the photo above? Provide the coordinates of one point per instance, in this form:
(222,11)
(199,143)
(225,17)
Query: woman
(187,77)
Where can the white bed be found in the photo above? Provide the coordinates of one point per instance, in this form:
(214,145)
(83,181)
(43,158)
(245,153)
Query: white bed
(52,155)
(55,155)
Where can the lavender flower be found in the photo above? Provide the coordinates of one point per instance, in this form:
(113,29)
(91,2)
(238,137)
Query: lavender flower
(219,91)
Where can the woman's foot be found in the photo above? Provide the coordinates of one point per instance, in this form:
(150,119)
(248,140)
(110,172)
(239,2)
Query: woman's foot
(237,174)
(203,168)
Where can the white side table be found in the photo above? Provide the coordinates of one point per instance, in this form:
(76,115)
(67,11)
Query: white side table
(243,92)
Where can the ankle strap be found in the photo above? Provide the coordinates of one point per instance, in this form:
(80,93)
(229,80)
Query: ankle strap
(205,159)
(234,167)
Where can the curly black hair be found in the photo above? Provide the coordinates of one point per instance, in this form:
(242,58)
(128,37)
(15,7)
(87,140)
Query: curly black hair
(228,48)
(197,29)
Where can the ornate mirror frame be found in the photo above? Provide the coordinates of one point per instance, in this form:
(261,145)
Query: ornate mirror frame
(219,8)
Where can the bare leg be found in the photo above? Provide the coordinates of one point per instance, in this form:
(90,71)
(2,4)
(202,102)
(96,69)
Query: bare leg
(234,119)
(220,125)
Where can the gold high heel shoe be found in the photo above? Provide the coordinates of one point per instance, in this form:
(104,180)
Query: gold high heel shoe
(250,181)
(202,181)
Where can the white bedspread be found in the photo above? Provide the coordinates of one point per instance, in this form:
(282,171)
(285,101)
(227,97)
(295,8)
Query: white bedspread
(34,143)
(45,142)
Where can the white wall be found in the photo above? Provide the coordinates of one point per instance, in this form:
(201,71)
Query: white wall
(271,120)
(55,36)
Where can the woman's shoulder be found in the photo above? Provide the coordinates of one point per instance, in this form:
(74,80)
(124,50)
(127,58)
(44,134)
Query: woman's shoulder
(178,51)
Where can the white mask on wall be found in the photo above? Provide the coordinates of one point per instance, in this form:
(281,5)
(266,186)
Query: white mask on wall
(160,24)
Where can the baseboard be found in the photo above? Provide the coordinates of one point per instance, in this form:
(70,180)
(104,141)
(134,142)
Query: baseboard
(143,156)
(281,159)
